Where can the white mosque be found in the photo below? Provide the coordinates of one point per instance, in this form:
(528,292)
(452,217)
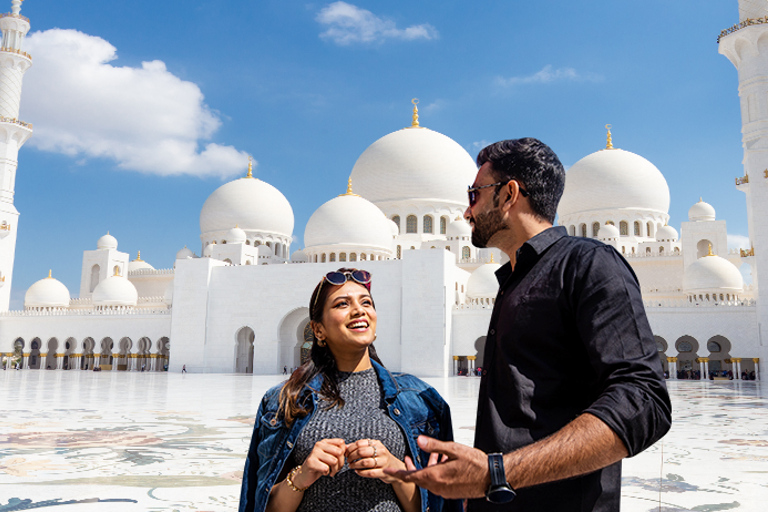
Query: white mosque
(240,305)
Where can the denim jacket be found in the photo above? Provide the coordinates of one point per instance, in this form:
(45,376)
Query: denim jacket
(416,407)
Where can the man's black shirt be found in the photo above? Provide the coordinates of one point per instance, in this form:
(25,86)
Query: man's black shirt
(569,335)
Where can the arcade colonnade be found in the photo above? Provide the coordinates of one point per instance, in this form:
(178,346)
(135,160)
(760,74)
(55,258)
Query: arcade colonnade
(144,354)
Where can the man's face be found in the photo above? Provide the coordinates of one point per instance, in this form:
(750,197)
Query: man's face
(484,216)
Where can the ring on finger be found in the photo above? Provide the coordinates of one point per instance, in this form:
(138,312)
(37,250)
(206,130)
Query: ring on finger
(370,443)
(375,451)
(375,462)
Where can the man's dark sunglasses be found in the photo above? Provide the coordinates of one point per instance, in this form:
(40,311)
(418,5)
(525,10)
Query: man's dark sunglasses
(472,191)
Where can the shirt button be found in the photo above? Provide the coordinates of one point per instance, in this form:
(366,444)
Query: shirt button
(273,421)
(290,444)
(493,332)
(396,411)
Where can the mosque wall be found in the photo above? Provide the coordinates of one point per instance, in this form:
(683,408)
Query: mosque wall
(470,323)
(427,302)
(659,276)
(737,324)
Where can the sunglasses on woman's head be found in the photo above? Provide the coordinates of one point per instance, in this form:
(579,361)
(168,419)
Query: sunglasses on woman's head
(339,278)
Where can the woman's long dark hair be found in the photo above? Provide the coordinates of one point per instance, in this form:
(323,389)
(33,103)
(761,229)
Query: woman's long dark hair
(320,361)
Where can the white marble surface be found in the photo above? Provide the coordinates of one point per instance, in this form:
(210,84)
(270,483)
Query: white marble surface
(166,442)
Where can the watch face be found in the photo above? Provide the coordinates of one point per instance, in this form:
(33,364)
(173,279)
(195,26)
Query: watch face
(501,494)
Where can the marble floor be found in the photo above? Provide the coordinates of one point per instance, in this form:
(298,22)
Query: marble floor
(83,441)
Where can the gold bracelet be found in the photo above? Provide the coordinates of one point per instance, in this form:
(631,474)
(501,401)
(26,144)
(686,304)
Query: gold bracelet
(290,477)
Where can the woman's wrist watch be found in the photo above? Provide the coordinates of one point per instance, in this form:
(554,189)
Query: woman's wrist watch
(499,491)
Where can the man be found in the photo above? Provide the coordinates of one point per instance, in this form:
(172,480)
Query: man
(572,381)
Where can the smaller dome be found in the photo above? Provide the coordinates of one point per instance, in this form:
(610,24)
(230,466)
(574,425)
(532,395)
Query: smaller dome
(207,250)
(482,284)
(459,228)
(666,234)
(701,211)
(185,253)
(139,264)
(712,273)
(299,257)
(607,232)
(350,221)
(115,291)
(235,236)
(107,242)
(47,293)
(168,295)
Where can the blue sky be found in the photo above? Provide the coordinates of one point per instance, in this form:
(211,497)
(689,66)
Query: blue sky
(142,109)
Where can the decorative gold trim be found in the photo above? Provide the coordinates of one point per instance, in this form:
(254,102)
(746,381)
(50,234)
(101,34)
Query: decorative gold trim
(744,179)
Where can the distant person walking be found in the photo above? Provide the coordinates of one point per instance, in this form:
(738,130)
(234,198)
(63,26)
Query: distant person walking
(184,368)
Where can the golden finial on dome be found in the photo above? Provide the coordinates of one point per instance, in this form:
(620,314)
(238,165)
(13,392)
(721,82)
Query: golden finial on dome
(138,256)
(415,122)
(710,251)
(117,271)
(49,274)
(250,167)
(609,144)
(491,259)
(349,188)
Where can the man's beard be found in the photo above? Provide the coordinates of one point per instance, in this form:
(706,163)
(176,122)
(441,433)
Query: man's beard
(485,226)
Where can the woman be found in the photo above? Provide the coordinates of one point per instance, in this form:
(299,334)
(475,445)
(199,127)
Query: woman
(322,439)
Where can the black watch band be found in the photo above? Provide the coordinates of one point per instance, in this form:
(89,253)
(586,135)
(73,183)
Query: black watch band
(499,490)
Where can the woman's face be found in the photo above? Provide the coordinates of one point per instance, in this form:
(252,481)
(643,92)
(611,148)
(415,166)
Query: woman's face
(349,319)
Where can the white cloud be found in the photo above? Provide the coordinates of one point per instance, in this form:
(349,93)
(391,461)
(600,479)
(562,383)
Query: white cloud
(145,118)
(480,144)
(548,75)
(738,242)
(348,24)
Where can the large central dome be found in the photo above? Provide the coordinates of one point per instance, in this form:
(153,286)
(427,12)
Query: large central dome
(414,163)
(614,179)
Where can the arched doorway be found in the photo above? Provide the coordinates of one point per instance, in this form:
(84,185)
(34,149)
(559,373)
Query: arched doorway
(687,353)
(50,358)
(164,352)
(124,354)
(143,362)
(34,355)
(306,345)
(18,353)
(105,355)
(69,347)
(295,338)
(86,363)
(719,348)
(480,352)
(244,358)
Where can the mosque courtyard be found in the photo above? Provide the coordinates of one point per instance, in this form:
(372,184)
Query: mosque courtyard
(131,441)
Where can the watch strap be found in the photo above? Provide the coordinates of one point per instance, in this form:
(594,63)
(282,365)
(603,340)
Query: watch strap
(496,468)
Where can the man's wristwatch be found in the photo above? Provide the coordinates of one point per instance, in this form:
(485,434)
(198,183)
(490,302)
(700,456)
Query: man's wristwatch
(499,491)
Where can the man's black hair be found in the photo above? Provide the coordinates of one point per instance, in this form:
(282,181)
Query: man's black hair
(534,165)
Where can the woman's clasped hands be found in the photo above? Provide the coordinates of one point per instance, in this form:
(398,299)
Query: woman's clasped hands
(367,457)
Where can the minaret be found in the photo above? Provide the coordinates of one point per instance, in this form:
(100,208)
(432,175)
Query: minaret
(14,62)
(744,45)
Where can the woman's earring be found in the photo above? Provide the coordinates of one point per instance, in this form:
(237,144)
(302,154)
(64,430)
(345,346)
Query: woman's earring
(320,342)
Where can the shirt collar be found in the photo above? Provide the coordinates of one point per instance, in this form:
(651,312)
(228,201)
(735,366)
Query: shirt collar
(533,248)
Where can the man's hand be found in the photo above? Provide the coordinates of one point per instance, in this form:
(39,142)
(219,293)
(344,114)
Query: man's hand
(454,470)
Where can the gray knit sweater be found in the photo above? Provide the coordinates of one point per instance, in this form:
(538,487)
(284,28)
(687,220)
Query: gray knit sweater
(363,416)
